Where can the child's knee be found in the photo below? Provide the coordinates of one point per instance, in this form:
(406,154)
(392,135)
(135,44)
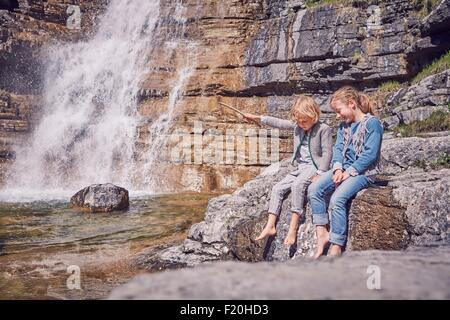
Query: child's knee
(277,190)
(314,189)
(299,186)
(338,200)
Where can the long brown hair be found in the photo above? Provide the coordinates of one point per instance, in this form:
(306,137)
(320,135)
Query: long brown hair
(361,100)
(367,103)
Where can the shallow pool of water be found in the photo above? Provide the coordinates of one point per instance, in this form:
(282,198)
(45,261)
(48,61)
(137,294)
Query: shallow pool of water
(49,250)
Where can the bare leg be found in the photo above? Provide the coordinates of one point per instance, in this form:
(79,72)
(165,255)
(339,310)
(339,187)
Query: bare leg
(323,238)
(293,229)
(269,229)
(336,250)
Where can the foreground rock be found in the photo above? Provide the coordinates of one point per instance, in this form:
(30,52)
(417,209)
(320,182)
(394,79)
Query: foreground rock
(411,208)
(101,198)
(417,273)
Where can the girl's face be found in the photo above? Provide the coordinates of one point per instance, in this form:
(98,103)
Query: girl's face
(344,111)
(306,123)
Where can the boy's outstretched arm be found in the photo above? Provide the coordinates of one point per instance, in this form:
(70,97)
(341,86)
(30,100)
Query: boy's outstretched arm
(372,146)
(278,123)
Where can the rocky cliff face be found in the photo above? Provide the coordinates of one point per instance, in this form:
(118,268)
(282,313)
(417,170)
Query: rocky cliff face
(253,54)
(282,48)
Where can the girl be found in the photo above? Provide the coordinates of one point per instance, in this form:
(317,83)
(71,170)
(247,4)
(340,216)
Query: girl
(355,156)
(313,145)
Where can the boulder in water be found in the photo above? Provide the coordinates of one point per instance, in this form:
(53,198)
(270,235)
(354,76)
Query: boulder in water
(101,198)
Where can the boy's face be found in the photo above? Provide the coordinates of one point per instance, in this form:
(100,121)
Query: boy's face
(344,111)
(306,123)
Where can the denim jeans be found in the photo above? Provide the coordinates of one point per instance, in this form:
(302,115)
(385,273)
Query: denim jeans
(317,195)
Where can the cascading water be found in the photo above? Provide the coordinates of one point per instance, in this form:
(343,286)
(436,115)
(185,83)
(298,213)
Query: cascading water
(88,130)
(161,126)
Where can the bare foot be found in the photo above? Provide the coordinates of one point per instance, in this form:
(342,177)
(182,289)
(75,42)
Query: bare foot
(268,231)
(323,238)
(290,239)
(335,250)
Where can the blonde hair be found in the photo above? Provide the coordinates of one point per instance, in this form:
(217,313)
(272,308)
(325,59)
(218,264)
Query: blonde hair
(307,107)
(361,100)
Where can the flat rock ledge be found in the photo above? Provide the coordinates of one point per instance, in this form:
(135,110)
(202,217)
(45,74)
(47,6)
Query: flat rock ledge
(416,273)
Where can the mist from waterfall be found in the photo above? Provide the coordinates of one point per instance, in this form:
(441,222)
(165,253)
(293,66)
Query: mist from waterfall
(88,130)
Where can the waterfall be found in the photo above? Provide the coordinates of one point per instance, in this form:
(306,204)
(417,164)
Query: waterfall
(161,126)
(88,130)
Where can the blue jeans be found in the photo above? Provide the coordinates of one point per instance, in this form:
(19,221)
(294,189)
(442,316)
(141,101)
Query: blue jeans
(317,195)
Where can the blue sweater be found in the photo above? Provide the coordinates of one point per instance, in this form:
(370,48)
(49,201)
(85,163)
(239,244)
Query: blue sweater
(351,163)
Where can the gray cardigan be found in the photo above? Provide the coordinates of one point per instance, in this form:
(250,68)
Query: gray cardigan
(321,139)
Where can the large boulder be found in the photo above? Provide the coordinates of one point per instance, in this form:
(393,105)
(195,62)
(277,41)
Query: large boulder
(425,196)
(403,154)
(101,198)
(408,208)
(377,221)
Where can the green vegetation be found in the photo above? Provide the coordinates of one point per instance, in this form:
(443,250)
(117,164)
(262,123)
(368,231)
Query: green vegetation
(389,86)
(357,55)
(438,65)
(438,121)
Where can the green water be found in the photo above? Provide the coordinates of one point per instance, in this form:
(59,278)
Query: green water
(40,240)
